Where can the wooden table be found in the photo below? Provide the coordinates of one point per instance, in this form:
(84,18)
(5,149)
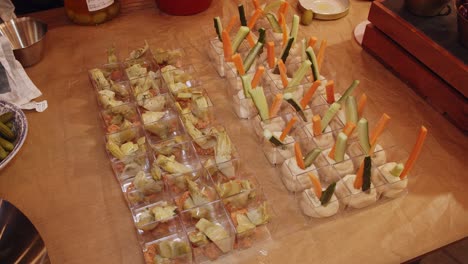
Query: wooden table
(62,179)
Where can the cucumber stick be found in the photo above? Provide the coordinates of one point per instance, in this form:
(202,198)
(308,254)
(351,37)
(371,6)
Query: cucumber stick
(349,91)
(242,18)
(274,140)
(284,54)
(275,26)
(311,56)
(246,84)
(260,101)
(396,171)
(294,27)
(366,177)
(261,35)
(218,27)
(303,50)
(340,149)
(311,157)
(327,194)
(328,116)
(363,134)
(290,99)
(351,110)
(256,50)
(300,74)
(240,36)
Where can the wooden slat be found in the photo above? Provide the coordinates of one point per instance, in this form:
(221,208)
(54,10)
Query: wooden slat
(435,90)
(448,67)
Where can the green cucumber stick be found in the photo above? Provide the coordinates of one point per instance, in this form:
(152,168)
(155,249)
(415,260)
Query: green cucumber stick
(311,157)
(340,146)
(396,171)
(242,18)
(328,116)
(327,194)
(363,134)
(256,50)
(351,110)
(261,35)
(300,74)
(246,84)
(294,27)
(284,54)
(240,36)
(303,50)
(260,101)
(218,27)
(275,26)
(311,56)
(349,91)
(366,177)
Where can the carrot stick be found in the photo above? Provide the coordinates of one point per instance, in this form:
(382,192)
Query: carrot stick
(250,39)
(347,130)
(415,152)
(317,125)
(312,41)
(227,46)
(258,76)
(361,104)
(282,70)
(238,63)
(288,128)
(256,15)
(282,10)
(359,177)
(316,183)
(231,23)
(275,106)
(256,4)
(299,157)
(321,53)
(330,90)
(271,54)
(377,131)
(285,30)
(310,93)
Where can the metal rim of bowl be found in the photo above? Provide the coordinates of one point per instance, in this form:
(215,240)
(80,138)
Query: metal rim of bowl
(22,137)
(21,19)
(330,16)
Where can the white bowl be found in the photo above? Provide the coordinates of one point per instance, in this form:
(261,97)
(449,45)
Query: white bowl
(20,128)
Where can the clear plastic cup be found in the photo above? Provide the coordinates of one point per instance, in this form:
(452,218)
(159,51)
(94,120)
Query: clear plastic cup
(174,248)
(139,68)
(176,158)
(120,117)
(143,189)
(168,127)
(125,170)
(102,76)
(179,79)
(126,146)
(389,185)
(118,93)
(147,86)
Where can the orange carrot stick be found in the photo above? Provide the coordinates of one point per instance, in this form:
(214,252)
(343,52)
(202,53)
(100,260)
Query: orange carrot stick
(288,128)
(285,30)
(250,39)
(359,177)
(282,70)
(415,152)
(258,76)
(317,125)
(347,130)
(231,23)
(227,46)
(321,53)
(256,15)
(330,90)
(256,4)
(275,106)
(361,104)
(310,93)
(316,183)
(238,63)
(378,129)
(282,10)
(299,157)
(312,41)
(271,54)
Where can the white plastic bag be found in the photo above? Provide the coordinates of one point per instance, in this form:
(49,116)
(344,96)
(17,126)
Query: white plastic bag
(7,10)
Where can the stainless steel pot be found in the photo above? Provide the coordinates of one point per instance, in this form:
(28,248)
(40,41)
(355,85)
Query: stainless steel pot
(429,7)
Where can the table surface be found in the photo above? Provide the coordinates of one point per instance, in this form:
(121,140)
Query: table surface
(62,179)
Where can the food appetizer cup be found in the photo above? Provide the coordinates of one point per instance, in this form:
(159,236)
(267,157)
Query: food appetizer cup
(118,93)
(147,87)
(175,158)
(126,146)
(179,79)
(167,126)
(384,142)
(210,236)
(169,56)
(236,192)
(103,76)
(146,187)
(326,138)
(174,248)
(124,171)
(139,68)
(120,117)
(195,100)
(156,220)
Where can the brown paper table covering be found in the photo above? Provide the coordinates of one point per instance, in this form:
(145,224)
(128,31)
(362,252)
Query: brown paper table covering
(62,179)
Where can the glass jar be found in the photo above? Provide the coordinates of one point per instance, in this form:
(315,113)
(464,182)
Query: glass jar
(91,12)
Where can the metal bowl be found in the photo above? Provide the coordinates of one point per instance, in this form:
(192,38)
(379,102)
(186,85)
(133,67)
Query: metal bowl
(26,36)
(326,9)
(19,240)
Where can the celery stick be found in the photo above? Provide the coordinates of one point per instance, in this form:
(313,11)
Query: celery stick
(246,84)
(242,18)
(328,116)
(348,91)
(351,110)
(340,149)
(311,55)
(240,36)
(260,101)
(366,177)
(363,134)
(311,157)
(300,74)
(303,50)
(294,27)
(218,27)
(275,26)
(252,55)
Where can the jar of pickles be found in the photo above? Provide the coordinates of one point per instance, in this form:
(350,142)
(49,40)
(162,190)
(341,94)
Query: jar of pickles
(91,12)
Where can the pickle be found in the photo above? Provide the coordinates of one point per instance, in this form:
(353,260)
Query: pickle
(6,117)
(83,19)
(113,10)
(10,125)
(3,153)
(99,17)
(6,132)
(7,145)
